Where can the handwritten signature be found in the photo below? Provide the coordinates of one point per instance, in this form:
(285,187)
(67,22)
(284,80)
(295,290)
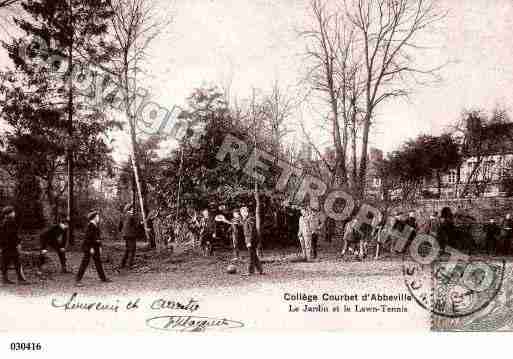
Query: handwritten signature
(189,323)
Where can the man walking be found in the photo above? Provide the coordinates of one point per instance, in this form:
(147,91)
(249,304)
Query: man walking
(55,237)
(129,234)
(10,245)
(249,230)
(91,248)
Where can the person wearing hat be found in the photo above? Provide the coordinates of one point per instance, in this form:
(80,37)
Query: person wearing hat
(250,237)
(91,248)
(129,234)
(55,237)
(10,243)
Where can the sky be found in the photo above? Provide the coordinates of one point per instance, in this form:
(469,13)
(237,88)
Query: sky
(253,43)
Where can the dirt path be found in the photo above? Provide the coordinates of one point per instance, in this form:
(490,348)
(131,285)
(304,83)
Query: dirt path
(155,271)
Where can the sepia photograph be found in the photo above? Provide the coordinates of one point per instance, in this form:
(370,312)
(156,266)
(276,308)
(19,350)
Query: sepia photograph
(255,166)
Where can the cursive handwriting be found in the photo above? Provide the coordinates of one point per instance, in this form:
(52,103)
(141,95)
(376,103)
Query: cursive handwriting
(74,304)
(187,323)
(159,304)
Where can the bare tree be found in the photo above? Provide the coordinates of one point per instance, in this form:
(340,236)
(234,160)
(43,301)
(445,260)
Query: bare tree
(278,107)
(359,54)
(136,23)
(332,66)
(387,33)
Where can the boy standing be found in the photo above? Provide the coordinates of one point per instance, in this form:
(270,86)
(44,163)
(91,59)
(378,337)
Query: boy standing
(10,245)
(207,232)
(249,230)
(129,235)
(237,233)
(91,248)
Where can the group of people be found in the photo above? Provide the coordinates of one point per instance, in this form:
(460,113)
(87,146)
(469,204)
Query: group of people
(55,238)
(498,237)
(240,226)
(357,237)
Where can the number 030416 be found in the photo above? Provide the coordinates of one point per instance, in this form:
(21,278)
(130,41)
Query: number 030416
(26,346)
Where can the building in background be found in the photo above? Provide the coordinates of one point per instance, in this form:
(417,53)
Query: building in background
(318,165)
(485,170)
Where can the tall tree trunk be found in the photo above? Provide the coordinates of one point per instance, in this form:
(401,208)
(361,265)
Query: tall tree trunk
(439,183)
(363,158)
(70,162)
(458,181)
(258,220)
(340,149)
(343,158)
(133,186)
(131,117)
(354,170)
(135,168)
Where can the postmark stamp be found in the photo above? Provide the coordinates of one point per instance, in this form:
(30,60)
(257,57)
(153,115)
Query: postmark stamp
(453,289)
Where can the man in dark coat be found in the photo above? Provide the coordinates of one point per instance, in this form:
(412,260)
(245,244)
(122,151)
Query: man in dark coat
(55,237)
(129,232)
(249,230)
(507,234)
(207,226)
(91,248)
(492,232)
(10,245)
(446,229)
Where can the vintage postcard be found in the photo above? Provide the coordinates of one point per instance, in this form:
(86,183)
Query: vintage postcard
(255,166)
